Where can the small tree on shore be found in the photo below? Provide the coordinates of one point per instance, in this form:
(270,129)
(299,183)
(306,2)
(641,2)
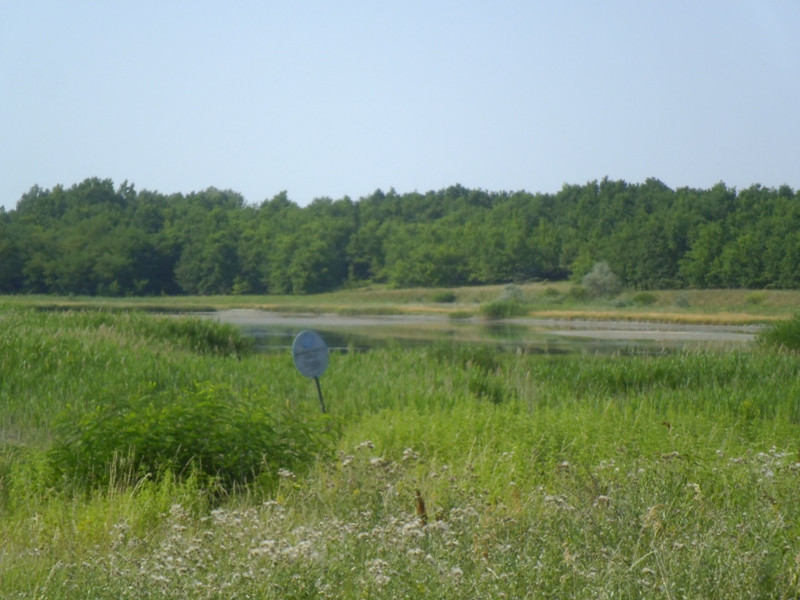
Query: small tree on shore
(602,281)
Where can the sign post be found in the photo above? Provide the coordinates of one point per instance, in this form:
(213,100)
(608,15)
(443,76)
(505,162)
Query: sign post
(310,354)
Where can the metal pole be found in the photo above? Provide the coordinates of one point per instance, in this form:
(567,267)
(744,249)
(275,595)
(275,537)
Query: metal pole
(319,393)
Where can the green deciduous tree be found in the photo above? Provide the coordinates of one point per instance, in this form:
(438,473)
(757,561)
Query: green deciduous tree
(93,238)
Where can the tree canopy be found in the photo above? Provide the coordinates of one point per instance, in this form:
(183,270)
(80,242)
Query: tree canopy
(96,238)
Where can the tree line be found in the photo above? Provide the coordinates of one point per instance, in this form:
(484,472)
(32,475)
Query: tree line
(95,238)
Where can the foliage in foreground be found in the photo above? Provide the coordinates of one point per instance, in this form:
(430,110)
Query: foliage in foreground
(657,526)
(208,429)
(649,476)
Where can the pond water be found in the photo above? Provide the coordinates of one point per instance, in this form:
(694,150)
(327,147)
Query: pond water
(275,332)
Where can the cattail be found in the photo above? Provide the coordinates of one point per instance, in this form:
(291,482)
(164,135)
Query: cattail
(422,514)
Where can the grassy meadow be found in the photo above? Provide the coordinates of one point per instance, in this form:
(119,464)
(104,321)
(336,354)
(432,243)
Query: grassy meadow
(151,456)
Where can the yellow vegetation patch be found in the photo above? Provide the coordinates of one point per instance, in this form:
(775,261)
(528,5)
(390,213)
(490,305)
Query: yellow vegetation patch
(724,318)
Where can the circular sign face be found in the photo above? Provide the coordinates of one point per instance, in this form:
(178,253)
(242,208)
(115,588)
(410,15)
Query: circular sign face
(310,354)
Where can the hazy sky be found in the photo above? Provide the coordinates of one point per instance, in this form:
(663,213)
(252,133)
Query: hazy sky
(343,97)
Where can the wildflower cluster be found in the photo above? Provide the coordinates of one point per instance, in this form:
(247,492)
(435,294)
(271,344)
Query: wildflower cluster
(629,525)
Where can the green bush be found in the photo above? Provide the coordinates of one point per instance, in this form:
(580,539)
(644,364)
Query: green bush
(209,430)
(511,303)
(503,309)
(783,334)
(444,297)
(644,299)
(601,281)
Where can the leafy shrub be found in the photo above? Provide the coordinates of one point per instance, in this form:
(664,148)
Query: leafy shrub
(602,281)
(644,299)
(444,297)
(503,309)
(208,430)
(783,334)
(511,303)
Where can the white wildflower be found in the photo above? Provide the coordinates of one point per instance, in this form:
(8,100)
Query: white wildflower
(265,547)
(286,474)
(409,454)
(379,570)
(413,529)
(558,501)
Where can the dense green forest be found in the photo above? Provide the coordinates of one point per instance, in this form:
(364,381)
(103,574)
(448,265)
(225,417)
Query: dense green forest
(97,239)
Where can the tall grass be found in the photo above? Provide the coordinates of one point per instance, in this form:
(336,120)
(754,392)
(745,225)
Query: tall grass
(784,334)
(649,476)
(51,360)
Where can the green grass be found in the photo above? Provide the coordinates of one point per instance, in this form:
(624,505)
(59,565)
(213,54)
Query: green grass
(662,476)
(784,334)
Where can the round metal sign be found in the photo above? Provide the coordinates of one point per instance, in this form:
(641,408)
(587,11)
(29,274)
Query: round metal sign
(310,353)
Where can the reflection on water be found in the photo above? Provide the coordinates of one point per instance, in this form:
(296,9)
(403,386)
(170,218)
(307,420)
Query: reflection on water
(274,337)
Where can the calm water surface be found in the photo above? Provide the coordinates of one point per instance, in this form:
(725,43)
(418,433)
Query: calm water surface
(275,332)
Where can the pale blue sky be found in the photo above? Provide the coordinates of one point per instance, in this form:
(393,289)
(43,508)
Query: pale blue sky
(340,98)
